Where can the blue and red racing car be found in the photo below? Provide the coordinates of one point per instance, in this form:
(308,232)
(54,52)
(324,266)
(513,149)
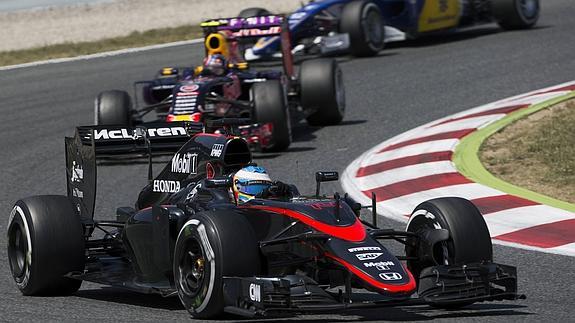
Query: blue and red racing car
(225,86)
(363,26)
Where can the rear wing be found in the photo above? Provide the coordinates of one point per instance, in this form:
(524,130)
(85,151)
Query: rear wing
(92,142)
(160,137)
(258,26)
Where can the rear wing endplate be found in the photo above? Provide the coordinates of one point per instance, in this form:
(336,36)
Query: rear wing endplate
(92,142)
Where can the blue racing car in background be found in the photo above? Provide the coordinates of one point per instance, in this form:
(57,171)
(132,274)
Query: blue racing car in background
(362,27)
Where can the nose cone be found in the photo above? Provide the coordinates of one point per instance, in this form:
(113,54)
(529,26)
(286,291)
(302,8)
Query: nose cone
(373,264)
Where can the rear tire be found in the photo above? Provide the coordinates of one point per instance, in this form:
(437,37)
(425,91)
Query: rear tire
(253,12)
(45,242)
(113,108)
(363,22)
(469,240)
(515,14)
(270,106)
(212,245)
(322,90)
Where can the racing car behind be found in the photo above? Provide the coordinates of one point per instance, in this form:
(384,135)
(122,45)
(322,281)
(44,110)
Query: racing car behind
(225,86)
(363,26)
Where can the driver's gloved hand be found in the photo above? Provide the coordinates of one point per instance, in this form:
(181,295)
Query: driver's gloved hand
(279,189)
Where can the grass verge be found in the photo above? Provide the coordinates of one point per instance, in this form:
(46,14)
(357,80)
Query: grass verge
(135,39)
(536,152)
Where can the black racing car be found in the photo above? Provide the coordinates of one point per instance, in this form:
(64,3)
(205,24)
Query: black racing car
(271,98)
(283,252)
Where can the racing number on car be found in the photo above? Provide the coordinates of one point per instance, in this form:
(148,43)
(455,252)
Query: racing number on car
(439,14)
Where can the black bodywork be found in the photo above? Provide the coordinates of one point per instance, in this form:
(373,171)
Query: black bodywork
(315,249)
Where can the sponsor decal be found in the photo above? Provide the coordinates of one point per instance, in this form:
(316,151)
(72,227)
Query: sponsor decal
(255,293)
(77,193)
(187,94)
(185,163)
(187,100)
(217,150)
(390,276)
(358,249)
(324,205)
(184,105)
(368,256)
(77,172)
(193,192)
(163,186)
(189,88)
(380,265)
(105,134)
(257,32)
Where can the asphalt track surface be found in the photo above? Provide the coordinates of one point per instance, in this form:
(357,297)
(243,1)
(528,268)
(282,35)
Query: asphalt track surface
(406,86)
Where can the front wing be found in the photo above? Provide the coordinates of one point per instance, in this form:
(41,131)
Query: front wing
(442,286)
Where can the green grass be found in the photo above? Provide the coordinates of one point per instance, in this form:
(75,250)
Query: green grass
(553,144)
(135,39)
(535,153)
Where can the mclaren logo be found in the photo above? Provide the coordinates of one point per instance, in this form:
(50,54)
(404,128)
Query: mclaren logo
(105,134)
(390,276)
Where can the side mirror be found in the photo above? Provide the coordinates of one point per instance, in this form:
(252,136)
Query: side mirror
(219,182)
(324,177)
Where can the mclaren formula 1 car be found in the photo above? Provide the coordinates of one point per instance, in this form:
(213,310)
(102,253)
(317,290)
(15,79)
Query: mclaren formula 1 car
(283,252)
(270,98)
(363,26)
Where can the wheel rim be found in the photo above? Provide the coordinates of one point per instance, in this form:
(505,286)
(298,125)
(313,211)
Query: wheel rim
(529,8)
(373,29)
(441,250)
(17,251)
(192,269)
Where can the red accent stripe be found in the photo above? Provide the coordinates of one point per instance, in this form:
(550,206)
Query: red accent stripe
(498,203)
(504,110)
(416,185)
(565,88)
(408,287)
(355,232)
(404,161)
(548,235)
(440,136)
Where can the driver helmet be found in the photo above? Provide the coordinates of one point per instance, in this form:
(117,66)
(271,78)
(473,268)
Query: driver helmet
(249,182)
(216,64)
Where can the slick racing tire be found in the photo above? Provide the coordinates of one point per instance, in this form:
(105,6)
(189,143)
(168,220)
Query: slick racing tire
(253,12)
(322,91)
(212,245)
(363,22)
(45,242)
(515,14)
(469,240)
(270,106)
(113,108)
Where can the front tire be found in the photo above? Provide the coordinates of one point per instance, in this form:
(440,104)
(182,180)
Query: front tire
(45,242)
(322,91)
(515,14)
(212,245)
(113,108)
(363,22)
(469,240)
(270,106)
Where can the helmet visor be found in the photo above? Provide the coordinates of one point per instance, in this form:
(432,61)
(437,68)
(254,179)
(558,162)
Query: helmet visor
(252,187)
